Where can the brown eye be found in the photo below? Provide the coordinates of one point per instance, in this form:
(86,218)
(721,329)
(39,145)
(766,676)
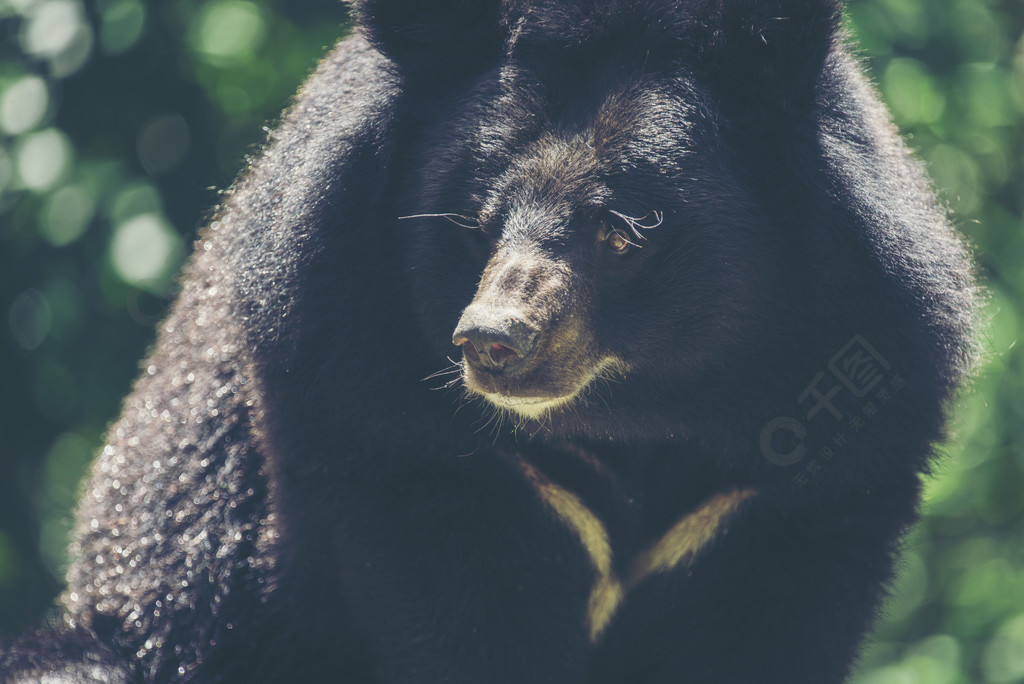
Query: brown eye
(617,241)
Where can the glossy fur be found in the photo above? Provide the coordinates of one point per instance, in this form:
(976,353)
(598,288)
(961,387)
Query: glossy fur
(285,498)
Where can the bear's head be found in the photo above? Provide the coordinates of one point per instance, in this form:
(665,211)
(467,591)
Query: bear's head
(620,218)
(607,236)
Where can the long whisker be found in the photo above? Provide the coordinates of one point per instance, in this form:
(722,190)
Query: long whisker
(456,366)
(440,373)
(445,371)
(461,221)
(637,223)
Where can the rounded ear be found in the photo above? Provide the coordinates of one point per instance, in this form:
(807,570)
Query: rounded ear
(772,51)
(443,37)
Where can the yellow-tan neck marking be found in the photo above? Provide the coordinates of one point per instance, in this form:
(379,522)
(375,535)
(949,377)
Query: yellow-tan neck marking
(677,548)
(684,540)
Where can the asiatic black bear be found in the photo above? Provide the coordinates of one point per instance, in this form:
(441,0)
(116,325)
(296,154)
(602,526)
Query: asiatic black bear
(547,341)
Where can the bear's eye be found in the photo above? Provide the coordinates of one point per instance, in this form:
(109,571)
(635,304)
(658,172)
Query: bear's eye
(616,241)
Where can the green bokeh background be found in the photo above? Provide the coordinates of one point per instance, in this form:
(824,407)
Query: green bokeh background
(121,119)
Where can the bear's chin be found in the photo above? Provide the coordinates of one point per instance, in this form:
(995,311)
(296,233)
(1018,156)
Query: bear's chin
(530,400)
(531,408)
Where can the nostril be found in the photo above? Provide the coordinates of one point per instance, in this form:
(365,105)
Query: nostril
(502,355)
(469,349)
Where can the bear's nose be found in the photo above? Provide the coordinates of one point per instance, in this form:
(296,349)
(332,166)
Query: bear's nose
(493,340)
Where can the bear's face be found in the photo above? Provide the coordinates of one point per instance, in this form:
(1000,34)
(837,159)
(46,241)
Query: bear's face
(599,243)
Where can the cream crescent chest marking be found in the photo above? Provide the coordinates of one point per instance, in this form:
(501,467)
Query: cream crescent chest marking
(678,547)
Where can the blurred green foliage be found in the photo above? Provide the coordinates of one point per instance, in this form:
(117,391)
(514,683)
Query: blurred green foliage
(120,118)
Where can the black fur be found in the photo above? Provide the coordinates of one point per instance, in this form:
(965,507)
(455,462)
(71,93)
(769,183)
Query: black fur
(286,499)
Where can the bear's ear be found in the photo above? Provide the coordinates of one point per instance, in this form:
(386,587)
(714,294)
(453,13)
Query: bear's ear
(771,52)
(442,38)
